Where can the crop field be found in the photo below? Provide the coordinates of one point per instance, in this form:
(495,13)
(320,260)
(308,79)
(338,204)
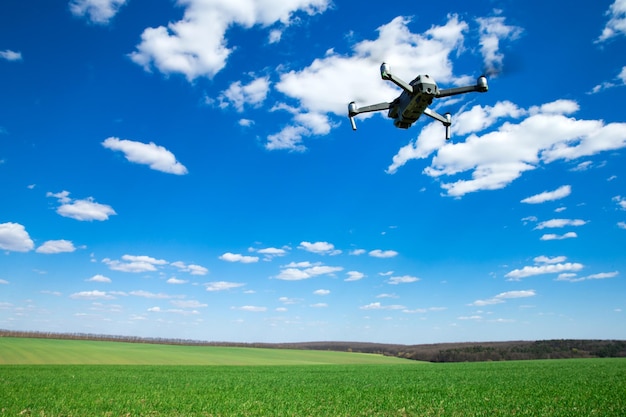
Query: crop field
(580,387)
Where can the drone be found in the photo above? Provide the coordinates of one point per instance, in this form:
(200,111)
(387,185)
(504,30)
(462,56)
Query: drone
(415,99)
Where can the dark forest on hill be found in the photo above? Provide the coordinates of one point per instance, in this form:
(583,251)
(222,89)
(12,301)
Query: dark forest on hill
(441,352)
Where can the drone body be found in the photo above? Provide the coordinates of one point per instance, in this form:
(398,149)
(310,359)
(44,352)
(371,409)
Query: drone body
(415,99)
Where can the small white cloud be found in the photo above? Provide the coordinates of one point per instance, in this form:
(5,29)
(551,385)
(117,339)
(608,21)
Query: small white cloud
(357,252)
(82,210)
(56,246)
(192,268)
(176,281)
(621,202)
(500,298)
(155,156)
(222,286)
(136,264)
(97,11)
(271,253)
(574,278)
(377,253)
(553,236)
(15,238)
(354,276)
(321,292)
(236,257)
(553,268)
(188,304)
(238,95)
(99,278)
(492,31)
(379,306)
(321,248)
(301,271)
(559,223)
(405,279)
(9,55)
(92,295)
(252,309)
(557,194)
(617,21)
(547,260)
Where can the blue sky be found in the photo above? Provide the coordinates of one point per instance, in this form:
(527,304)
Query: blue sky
(187,170)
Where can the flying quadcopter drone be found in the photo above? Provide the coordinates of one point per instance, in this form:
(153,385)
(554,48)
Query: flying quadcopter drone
(415,99)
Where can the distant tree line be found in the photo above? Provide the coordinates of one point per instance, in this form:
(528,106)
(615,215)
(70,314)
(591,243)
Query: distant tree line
(443,352)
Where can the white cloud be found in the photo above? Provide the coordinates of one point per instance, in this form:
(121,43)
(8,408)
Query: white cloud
(270,253)
(136,264)
(495,159)
(236,257)
(321,248)
(559,223)
(298,272)
(97,11)
(196,46)
(173,311)
(573,278)
(99,278)
(149,294)
(557,194)
(56,246)
(621,201)
(379,306)
(405,279)
(155,156)
(92,295)
(15,238)
(82,210)
(252,309)
(621,225)
(377,253)
(9,55)
(222,286)
(554,268)
(617,21)
(618,81)
(176,281)
(321,292)
(547,260)
(354,276)
(492,30)
(554,236)
(500,298)
(238,95)
(188,304)
(192,268)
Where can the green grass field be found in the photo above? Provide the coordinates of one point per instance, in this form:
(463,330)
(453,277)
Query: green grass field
(25,351)
(300,385)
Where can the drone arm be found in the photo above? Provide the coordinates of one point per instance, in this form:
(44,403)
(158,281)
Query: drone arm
(353,110)
(446,119)
(480,87)
(387,75)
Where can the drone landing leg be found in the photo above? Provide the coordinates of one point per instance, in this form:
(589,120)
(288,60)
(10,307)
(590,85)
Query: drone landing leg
(446,119)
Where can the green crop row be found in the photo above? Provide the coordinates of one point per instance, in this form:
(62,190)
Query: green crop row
(594,387)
